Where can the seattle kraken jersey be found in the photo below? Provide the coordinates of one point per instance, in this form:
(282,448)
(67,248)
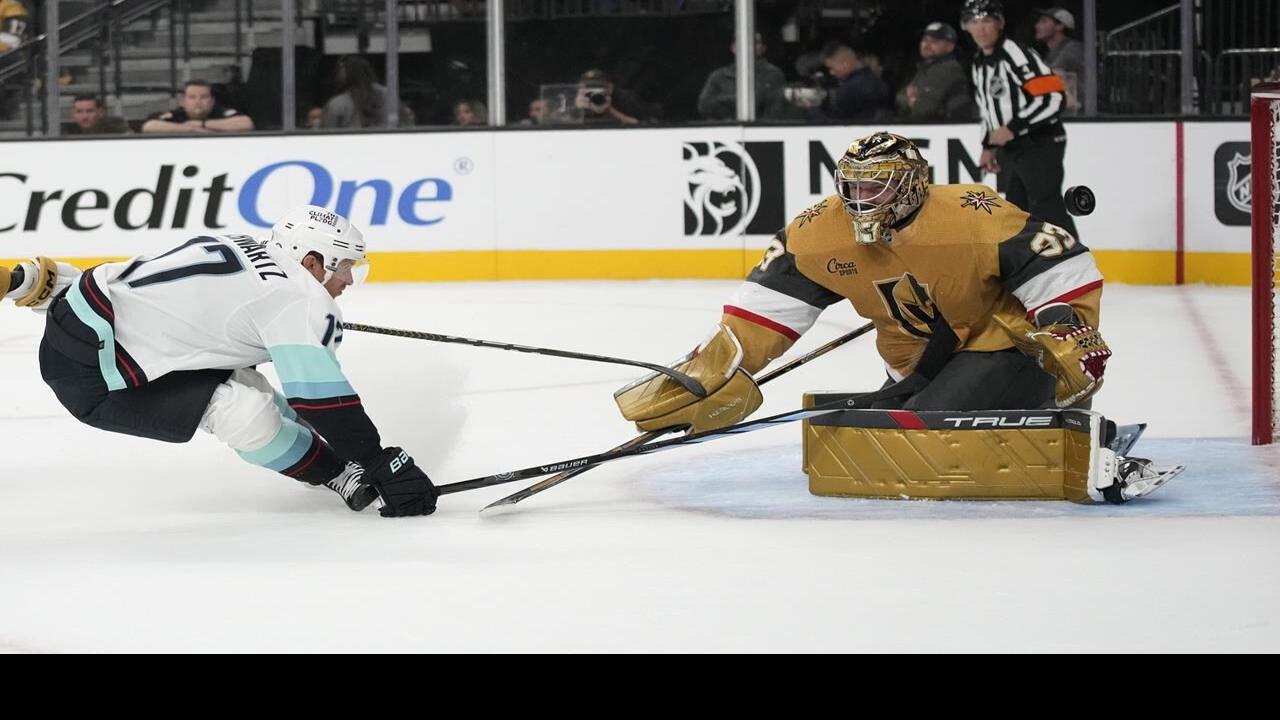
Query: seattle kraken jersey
(225,302)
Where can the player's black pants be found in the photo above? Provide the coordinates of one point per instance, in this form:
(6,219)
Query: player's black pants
(168,408)
(1031,176)
(1002,380)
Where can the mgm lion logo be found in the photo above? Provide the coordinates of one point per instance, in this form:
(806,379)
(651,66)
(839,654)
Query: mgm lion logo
(908,301)
(722,188)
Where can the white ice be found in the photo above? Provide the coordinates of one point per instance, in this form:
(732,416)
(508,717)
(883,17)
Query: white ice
(109,543)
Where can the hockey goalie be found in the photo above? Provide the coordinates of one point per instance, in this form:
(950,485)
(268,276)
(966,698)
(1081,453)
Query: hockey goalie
(978,307)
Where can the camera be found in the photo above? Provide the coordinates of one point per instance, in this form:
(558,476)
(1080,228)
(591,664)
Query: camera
(597,98)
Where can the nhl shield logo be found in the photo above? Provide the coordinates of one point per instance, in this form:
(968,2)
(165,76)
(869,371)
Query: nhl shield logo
(1232,192)
(997,86)
(1239,190)
(732,188)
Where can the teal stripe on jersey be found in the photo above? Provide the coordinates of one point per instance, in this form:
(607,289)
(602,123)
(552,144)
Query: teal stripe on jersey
(285,450)
(106,337)
(309,372)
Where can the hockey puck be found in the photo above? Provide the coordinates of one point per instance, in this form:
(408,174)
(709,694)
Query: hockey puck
(1080,200)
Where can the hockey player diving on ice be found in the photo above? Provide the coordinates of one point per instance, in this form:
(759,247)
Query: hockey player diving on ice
(158,347)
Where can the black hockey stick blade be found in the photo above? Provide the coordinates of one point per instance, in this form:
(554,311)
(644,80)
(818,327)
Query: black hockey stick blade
(688,383)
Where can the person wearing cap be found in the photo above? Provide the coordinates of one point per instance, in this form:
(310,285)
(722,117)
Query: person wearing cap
(1021,101)
(1062,52)
(939,91)
(604,104)
(719,97)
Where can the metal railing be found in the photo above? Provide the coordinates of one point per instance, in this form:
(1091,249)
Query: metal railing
(1233,73)
(367,13)
(1140,65)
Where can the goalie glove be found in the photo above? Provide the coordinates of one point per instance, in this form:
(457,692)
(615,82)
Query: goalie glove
(1075,355)
(656,402)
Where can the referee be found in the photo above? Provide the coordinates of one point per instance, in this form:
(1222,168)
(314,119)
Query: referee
(1021,102)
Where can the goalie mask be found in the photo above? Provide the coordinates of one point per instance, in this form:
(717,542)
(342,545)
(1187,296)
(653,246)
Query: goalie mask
(881,179)
(311,229)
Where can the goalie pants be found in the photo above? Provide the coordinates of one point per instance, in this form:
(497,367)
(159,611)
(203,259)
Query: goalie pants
(1001,380)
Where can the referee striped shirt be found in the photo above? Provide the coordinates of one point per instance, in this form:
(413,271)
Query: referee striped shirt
(1015,89)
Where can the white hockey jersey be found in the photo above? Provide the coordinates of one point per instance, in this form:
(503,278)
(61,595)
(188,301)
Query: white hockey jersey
(225,302)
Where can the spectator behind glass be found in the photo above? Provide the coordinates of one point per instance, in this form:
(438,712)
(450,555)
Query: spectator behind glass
(859,94)
(604,104)
(89,117)
(314,119)
(1063,55)
(14,22)
(361,102)
(719,97)
(940,88)
(470,113)
(537,113)
(198,112)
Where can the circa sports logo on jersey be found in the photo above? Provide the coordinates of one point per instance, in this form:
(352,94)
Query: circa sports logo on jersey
(1232,193)
(835,266)
(733,188)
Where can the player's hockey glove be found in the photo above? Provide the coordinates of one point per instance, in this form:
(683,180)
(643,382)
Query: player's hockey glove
(657,402)
(404,488)
(1073,353)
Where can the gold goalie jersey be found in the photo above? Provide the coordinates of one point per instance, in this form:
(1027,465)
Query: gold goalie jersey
(13,24)
(964,257)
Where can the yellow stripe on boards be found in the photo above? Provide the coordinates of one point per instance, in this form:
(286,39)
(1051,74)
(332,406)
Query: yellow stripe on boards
(1136,267)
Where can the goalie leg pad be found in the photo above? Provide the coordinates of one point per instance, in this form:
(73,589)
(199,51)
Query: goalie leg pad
(1011,455)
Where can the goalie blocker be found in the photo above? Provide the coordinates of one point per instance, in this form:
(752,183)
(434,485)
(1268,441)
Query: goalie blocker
(1000,455)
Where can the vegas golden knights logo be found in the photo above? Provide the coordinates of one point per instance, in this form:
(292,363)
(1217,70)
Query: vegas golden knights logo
(909,303)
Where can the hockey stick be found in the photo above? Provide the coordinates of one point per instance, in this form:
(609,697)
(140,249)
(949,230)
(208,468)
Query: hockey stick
(16,279)
(554,480)
(685,381)
(611,455)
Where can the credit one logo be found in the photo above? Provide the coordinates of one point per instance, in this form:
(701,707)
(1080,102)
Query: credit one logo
(189,198)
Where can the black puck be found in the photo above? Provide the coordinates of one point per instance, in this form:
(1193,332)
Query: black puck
(1079,200)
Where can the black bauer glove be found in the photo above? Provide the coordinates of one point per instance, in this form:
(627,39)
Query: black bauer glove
(404,488)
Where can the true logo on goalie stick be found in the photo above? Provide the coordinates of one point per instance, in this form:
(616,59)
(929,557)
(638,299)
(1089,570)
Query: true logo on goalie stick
(1004,422)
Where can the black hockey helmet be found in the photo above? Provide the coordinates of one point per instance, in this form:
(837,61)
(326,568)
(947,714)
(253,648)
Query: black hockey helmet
(974,9)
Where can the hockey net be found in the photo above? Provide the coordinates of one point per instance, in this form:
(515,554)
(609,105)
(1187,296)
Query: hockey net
(1265,172)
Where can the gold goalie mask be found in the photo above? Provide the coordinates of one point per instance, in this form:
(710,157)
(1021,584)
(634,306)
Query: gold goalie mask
(882,178)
